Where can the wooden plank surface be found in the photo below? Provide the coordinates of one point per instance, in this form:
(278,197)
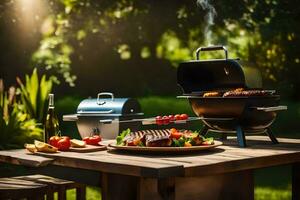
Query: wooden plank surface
(87,149)
(227,158)
(21,157)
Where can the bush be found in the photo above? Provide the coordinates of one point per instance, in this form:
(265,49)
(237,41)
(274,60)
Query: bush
(16,127)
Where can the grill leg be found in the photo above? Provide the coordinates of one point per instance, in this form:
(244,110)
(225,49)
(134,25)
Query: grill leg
(240,137)
(204,130)
(271,136)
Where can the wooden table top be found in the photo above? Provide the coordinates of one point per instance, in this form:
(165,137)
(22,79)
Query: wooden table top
(226,158)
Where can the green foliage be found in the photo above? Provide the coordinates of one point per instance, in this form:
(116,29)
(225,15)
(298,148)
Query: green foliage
(263,32)
(34,95)
(15,126)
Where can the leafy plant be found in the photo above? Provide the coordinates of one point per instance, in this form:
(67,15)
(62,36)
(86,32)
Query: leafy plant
(34,95)
(122,136)
(15,126)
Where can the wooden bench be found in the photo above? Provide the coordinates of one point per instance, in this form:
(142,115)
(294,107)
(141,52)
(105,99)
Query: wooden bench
(37,186)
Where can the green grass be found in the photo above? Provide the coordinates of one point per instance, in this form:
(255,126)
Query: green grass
(269,193)
(92,193)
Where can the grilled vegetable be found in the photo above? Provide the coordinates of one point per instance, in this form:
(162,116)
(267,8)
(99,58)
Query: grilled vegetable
(184,116)
(159,120)
(162,138)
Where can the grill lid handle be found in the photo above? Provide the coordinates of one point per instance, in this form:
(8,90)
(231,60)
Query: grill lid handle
(211,48)
(99,102)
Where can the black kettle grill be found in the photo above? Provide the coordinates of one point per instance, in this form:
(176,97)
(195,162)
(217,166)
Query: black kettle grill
(239,114)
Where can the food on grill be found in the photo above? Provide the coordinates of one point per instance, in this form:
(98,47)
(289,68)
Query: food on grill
(162,138)
(159,120)
(172,118)
(211,94)
(165,120)
(245,93)
(239,89)
(184,117)
(177,117)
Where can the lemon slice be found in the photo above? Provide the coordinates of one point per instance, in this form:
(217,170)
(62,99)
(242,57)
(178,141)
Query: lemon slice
(31,148)
(44,147)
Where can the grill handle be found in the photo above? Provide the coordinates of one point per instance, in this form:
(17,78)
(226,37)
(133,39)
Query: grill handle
(211,48)
(99,102)
(271,109)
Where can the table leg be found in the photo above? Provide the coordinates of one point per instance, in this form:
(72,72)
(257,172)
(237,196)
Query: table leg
(115,187)
(229,186)
(296,181)
(149,189)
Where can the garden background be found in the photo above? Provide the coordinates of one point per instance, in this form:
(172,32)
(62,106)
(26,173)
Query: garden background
(132,48)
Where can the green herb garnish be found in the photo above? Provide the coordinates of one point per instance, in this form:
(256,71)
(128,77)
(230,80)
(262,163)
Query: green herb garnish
(122,135)
(179,143)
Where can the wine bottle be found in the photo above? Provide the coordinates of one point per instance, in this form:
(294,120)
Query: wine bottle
(51,123)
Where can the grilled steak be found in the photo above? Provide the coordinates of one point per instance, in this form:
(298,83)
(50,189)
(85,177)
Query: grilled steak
(158,138)
(129,139)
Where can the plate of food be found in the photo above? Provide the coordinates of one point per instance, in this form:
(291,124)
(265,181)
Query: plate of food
(166,140)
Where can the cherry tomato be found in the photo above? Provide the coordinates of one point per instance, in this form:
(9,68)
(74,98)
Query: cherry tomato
(159,120)
(184,116)
(172,130)
(94,140)
(172,118)
(54,140)
(166,120)
(176,135)
(63,144)
(177,117)
(131,143)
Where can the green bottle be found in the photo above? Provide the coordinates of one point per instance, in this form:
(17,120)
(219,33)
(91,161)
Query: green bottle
(51,123)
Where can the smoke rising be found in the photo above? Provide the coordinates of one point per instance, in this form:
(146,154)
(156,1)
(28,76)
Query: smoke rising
(209,19)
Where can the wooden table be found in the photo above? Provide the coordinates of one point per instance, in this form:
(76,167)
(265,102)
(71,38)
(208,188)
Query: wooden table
(223,173)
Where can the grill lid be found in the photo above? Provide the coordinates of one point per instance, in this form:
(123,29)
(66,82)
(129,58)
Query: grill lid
(109,106)
(217,74)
